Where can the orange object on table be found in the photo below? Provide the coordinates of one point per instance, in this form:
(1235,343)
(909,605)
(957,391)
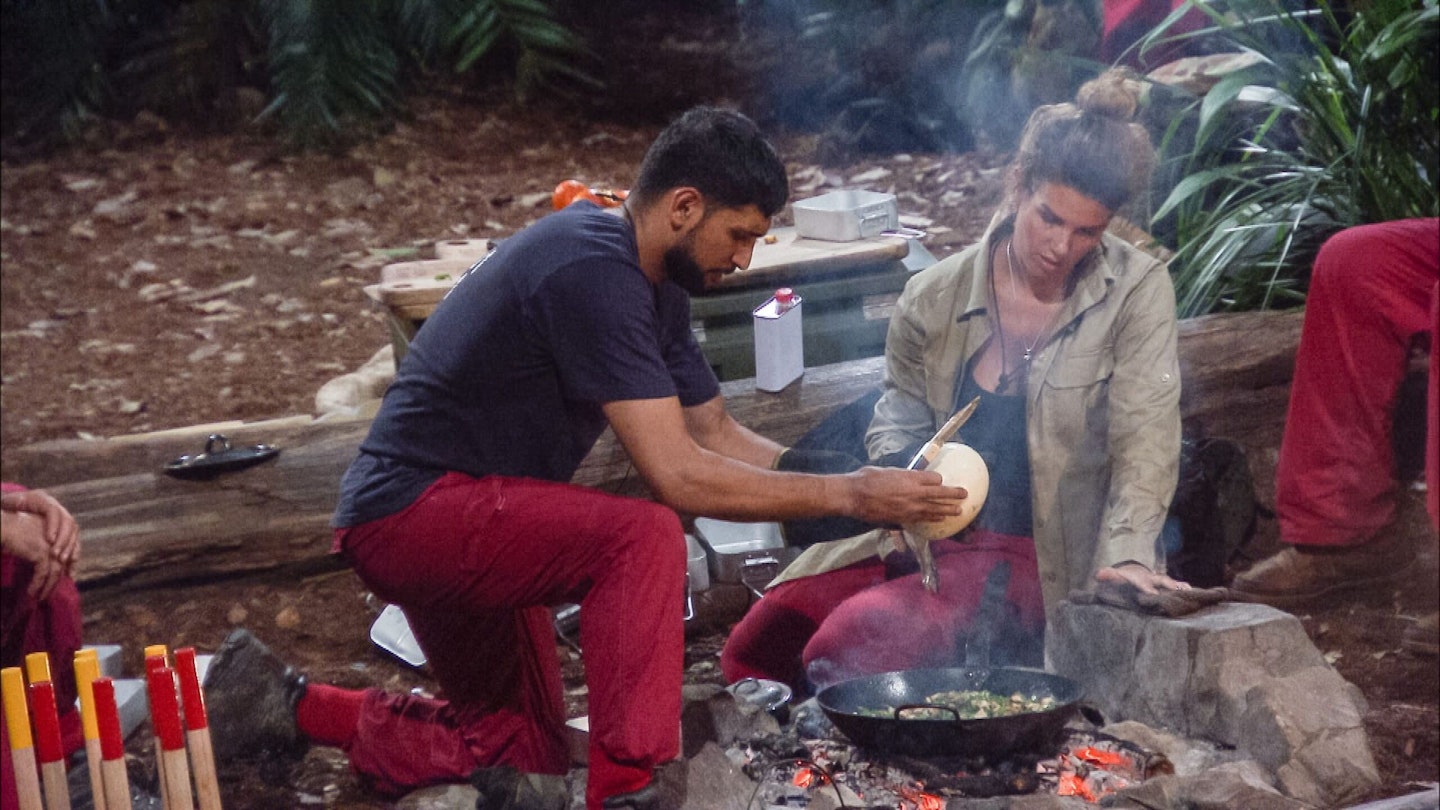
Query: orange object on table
(571,190)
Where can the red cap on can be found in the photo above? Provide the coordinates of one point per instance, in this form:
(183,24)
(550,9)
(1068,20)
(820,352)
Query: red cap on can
(784,296)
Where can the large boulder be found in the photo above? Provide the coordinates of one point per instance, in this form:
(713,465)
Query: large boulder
(1240,675)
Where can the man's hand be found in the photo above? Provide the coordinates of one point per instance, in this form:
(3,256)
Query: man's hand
(902,497)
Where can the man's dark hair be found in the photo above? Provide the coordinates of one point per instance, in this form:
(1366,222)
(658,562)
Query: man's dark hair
(719,152)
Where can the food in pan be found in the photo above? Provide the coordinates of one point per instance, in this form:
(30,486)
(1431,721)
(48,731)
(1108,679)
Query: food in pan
(969,704)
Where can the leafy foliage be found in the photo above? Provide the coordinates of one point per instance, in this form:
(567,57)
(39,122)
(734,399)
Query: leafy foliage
(1337,124)
(327,68)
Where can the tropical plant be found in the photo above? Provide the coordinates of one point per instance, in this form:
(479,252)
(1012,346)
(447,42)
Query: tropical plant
(1336,124)
(326,67)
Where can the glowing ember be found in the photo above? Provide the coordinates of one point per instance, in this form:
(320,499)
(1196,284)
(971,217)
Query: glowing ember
(805,778)
(1073,784)
(1105,759)
(921,800)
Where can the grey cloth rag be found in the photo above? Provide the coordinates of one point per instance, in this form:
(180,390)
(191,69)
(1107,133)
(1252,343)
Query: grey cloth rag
(1165,603)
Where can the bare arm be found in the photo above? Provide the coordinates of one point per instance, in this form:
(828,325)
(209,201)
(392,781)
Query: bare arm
(714,429)
(694,479)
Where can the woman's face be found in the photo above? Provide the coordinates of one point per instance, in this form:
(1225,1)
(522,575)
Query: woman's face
(1055,227)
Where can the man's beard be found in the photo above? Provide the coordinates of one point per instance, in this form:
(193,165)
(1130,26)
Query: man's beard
(681,268)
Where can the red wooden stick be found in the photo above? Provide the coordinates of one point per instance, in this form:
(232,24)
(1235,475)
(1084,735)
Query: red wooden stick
(155,660)
(197,724)
(165,716)
(46,720)
(112,745)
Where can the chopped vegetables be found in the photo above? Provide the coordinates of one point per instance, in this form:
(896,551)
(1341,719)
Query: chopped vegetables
(969,704)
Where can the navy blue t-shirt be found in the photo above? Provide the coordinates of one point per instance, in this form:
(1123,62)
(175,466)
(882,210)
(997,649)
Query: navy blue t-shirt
(507,376)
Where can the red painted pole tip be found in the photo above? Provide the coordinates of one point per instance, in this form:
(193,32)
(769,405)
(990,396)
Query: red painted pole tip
(107,716)
(46,721)
(195,718)
(164,710)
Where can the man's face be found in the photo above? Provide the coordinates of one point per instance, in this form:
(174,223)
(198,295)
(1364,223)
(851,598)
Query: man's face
(719,244)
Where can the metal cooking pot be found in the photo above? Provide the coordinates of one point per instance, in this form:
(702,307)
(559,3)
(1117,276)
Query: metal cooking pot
(904,692)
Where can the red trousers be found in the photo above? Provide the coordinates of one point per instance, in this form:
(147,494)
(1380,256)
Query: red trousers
(476,564)
(1374,289)
(29,626)
(841,624)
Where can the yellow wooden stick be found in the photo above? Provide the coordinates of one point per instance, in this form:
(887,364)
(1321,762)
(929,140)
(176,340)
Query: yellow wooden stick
(87,669)
(37,667)
(22,744)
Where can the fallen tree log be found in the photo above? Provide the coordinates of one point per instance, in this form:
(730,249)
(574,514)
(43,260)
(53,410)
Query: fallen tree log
(142,527)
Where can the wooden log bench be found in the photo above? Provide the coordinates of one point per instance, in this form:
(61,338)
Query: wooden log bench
(142,527)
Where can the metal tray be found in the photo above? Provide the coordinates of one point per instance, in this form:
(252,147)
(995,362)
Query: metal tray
(750,554)
(846,215)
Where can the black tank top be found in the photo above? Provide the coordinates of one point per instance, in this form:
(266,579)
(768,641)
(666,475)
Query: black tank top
(997,433)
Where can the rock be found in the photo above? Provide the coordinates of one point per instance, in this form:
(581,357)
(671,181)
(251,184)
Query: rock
(713,782)
(871,176)
(351,394)
(720,719)
(1241,675)
(119,209)
(288,618)
(237,615)
(811,722)
(1189,757)
(1238,784)
(1316,744)
(440,797)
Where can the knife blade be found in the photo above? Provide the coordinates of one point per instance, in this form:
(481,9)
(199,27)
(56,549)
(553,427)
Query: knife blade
(926,454)
(929,573)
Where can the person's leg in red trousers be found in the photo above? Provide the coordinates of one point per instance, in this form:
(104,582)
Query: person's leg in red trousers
(475,564)
(1370,296)
(899,625)
(853,621)
(769,641)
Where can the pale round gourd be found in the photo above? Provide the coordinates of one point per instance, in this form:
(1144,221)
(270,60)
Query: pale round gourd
(960,466)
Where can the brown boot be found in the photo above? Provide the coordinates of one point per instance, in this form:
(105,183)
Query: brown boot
(1306,576)
(1423,637)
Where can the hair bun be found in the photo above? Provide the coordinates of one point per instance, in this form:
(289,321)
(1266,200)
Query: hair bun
(1113,94)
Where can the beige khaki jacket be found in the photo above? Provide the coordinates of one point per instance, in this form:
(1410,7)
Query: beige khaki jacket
(1103,405)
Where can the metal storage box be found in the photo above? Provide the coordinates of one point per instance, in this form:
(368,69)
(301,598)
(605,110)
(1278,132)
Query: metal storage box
(751,554)
(846,215)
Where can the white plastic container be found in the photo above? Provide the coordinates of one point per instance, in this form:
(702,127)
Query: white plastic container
(846,215)
(779,341)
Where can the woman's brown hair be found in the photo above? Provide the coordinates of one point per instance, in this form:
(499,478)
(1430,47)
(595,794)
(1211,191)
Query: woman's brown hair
(1093,145)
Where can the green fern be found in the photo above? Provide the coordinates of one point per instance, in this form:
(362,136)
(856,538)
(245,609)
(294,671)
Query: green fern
(1336,126)
(330,68)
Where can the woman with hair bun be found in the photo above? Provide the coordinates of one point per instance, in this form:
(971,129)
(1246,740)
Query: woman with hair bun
(1067,334)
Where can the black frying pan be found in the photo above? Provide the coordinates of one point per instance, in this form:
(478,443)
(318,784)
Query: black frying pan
(994,738)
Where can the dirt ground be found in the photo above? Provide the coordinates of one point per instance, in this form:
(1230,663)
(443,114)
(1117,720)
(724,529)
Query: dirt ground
(156,278)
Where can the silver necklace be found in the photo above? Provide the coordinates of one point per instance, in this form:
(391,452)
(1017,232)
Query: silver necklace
(1015,296)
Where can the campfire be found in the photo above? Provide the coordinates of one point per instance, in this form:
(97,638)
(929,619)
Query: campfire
(790,772)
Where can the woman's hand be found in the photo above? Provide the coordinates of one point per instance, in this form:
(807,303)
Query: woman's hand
(23,535)
(41,530)
(1141,577)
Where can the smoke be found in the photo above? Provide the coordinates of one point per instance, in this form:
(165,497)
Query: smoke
(890,76)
